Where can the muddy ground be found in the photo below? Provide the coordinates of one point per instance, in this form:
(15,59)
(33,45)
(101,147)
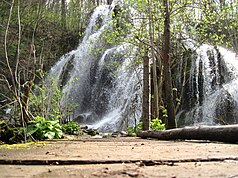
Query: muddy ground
(120,157)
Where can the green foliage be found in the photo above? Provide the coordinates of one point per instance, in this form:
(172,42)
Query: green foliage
(46,101)
(44,129)
(156,124)
(70,128)
(139,126)
(132,130)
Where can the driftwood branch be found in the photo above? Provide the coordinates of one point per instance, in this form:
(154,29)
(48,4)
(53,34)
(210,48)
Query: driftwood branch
(227,133)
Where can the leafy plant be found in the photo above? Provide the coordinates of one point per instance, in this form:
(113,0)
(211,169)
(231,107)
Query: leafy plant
(156,124)
(46,100)
(70,128)
(139,126)
(42,129)
(132,130)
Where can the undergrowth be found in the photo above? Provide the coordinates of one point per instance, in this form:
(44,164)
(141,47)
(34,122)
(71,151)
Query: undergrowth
(37,129)
(155,124)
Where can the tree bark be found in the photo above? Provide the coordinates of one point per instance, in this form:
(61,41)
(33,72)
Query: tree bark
(63,14)
(25,99)
(155,113)
(226,133)
(146,93)
(171,123)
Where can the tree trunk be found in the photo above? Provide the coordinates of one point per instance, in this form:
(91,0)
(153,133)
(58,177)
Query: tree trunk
(146,93)
(226,133)
(63,14)
(155,76)
(171,123)
(25,99)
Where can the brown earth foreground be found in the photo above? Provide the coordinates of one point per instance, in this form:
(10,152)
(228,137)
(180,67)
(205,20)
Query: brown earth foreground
(120,157)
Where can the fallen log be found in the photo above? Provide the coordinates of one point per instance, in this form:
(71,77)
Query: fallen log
(225,133)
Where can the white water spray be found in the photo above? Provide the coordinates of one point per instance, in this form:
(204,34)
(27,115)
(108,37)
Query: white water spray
(101,78)
(214,82)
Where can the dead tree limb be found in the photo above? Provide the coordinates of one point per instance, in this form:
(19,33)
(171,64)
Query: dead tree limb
(227,133)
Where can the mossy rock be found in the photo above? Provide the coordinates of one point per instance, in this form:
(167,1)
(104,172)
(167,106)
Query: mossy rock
(9,134)
(91,132)
(66,71)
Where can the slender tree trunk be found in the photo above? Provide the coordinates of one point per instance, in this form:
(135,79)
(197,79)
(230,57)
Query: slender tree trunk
(63,14)
(155,81)
(25,99)
(146,93)
(171,123)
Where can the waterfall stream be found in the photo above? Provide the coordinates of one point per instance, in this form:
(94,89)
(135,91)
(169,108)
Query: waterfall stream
(104,86)
(100,79)
(213,86)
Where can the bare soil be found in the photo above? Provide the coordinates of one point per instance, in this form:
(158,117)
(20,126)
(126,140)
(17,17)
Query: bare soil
(120,157)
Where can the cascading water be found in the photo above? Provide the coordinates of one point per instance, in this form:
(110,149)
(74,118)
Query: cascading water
(102,83)
(213,87)
(100,78)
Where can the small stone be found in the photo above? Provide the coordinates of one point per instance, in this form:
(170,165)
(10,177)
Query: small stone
(91,132)
(116,134)
(97,136)
(123,133)
(84,127)
(132,173)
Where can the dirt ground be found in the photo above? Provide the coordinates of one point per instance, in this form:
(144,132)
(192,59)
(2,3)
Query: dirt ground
(120,157)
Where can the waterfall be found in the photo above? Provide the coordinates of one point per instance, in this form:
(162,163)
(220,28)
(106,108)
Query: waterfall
(213,87)
(100,79)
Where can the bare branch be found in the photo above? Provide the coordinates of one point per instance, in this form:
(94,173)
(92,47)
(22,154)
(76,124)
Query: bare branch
(5,44)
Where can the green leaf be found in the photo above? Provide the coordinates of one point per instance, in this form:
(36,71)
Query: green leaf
(49,135)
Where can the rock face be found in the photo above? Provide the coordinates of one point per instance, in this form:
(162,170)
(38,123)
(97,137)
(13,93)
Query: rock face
(65,75)
(210,94)
(109,2)
(86,118)
(226,109)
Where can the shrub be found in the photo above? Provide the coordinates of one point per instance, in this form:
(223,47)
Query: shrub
(45,100)
(156,124)
(71,128)
(132,130)
(44,129)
